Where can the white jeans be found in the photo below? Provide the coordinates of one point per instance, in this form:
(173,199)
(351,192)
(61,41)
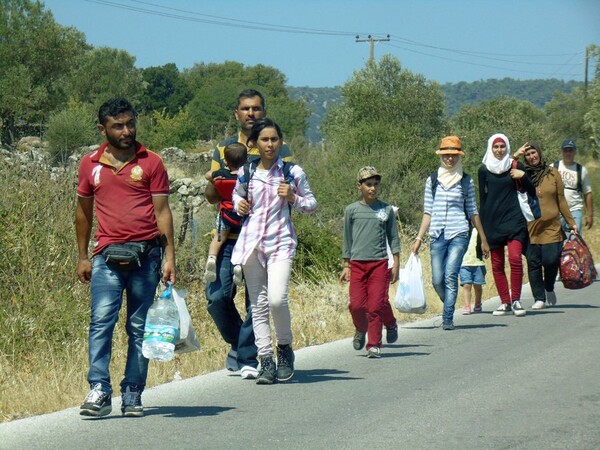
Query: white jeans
(268,292)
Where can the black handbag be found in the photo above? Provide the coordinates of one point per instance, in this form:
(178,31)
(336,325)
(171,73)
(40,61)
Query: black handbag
(127,255)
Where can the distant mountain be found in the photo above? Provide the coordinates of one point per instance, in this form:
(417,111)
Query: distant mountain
(318,99)
(538,92)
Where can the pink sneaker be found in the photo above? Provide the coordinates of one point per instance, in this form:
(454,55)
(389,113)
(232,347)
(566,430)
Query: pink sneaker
(467,310)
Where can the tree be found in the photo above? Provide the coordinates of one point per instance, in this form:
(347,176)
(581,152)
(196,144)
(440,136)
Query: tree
(216,87)
(36,53)
(164,90)
(390,118)
(104,73)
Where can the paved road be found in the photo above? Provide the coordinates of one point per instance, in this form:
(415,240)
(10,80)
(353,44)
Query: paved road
(494,382)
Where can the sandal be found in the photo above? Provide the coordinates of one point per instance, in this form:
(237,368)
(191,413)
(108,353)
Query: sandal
(478,308)
(467,310)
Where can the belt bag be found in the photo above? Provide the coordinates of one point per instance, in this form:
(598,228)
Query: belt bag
(126,256)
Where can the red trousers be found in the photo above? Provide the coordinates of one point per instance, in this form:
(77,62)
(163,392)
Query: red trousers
(515,260)
(369,300)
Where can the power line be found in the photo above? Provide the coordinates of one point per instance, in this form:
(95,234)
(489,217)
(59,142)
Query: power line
(472,63)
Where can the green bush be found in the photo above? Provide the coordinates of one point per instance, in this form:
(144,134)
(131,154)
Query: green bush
(69,130)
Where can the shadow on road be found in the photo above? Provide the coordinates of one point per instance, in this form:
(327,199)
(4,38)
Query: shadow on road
(185,411)
(574,306)
(319,375)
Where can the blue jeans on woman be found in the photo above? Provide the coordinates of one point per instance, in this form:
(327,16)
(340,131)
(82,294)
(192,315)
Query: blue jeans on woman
(220,295)
(107,287)
(446,259)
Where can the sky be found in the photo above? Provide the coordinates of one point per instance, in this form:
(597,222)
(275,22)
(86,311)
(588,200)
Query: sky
(314,42)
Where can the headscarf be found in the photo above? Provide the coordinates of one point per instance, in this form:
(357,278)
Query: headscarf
(492,163)
(449,177)
(536,173)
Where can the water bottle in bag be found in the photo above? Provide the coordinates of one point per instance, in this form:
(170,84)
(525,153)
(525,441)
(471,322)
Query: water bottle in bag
(162,328)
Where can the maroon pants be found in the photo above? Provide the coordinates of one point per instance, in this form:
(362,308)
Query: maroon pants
(515,260)
(369,301)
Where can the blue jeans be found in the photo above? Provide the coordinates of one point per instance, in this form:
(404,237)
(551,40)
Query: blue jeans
(577,215)
(107,289)
(220,295)
(446,259)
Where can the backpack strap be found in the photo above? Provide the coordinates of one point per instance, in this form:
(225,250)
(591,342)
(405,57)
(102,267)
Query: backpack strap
(579,181)
(464,184)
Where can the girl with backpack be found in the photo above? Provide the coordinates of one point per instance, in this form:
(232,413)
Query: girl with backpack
(449,208)
(267,243)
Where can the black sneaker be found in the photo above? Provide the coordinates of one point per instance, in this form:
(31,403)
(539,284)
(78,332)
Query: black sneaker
(285,362)
(448,326)
(359,340)
(391,335)
(268,372)
(131,402)
(97,403)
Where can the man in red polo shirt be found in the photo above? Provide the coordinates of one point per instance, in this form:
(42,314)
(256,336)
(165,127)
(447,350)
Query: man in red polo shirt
(129,187)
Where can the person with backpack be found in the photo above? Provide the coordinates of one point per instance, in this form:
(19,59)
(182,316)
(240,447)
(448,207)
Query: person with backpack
(546,235)
(449,210)
(578,188)
(267,243)
(503,220)
(228,221)
(220,293)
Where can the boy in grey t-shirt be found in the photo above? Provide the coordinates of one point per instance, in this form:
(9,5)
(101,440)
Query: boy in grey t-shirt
(369,226)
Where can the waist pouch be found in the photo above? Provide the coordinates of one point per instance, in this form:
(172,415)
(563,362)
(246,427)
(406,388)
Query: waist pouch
(127,255)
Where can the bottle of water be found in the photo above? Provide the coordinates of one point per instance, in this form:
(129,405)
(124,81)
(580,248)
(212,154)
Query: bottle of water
(162,328)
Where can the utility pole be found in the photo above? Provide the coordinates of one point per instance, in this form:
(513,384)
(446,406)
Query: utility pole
(585,80)
(371,40)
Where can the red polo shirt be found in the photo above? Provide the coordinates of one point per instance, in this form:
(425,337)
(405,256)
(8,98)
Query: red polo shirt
(123,198)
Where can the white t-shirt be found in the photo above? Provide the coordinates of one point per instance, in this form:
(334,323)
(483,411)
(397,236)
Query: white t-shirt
(569,178)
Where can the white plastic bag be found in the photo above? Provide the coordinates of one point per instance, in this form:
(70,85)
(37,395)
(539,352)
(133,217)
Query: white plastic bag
(188,341)
(410,296)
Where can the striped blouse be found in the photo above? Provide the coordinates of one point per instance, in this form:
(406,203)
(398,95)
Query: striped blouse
(447,211)
(268,228)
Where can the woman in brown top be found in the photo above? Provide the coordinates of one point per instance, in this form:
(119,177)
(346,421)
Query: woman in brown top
(545,234)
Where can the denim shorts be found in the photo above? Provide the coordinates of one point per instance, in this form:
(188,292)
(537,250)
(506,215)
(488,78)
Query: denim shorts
(472,275)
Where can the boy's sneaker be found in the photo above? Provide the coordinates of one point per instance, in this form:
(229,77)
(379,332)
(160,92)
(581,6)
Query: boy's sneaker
(373,352)
(249,373)
(131,402)
(448,326)
(502,310)
(210,271)
(231,362)
(477,308)
(238,275)
(517,309)
(97,403)
(359,340)
(285,362)
(391,335)
(268,372)
(539,305)
(551,298)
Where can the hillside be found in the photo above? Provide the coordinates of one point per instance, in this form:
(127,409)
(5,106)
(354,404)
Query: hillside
(538,92)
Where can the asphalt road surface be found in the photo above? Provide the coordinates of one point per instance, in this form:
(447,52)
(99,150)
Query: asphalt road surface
(530,382)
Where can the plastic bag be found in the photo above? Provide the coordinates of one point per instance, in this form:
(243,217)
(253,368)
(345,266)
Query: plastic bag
(410,296)
(188,341)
